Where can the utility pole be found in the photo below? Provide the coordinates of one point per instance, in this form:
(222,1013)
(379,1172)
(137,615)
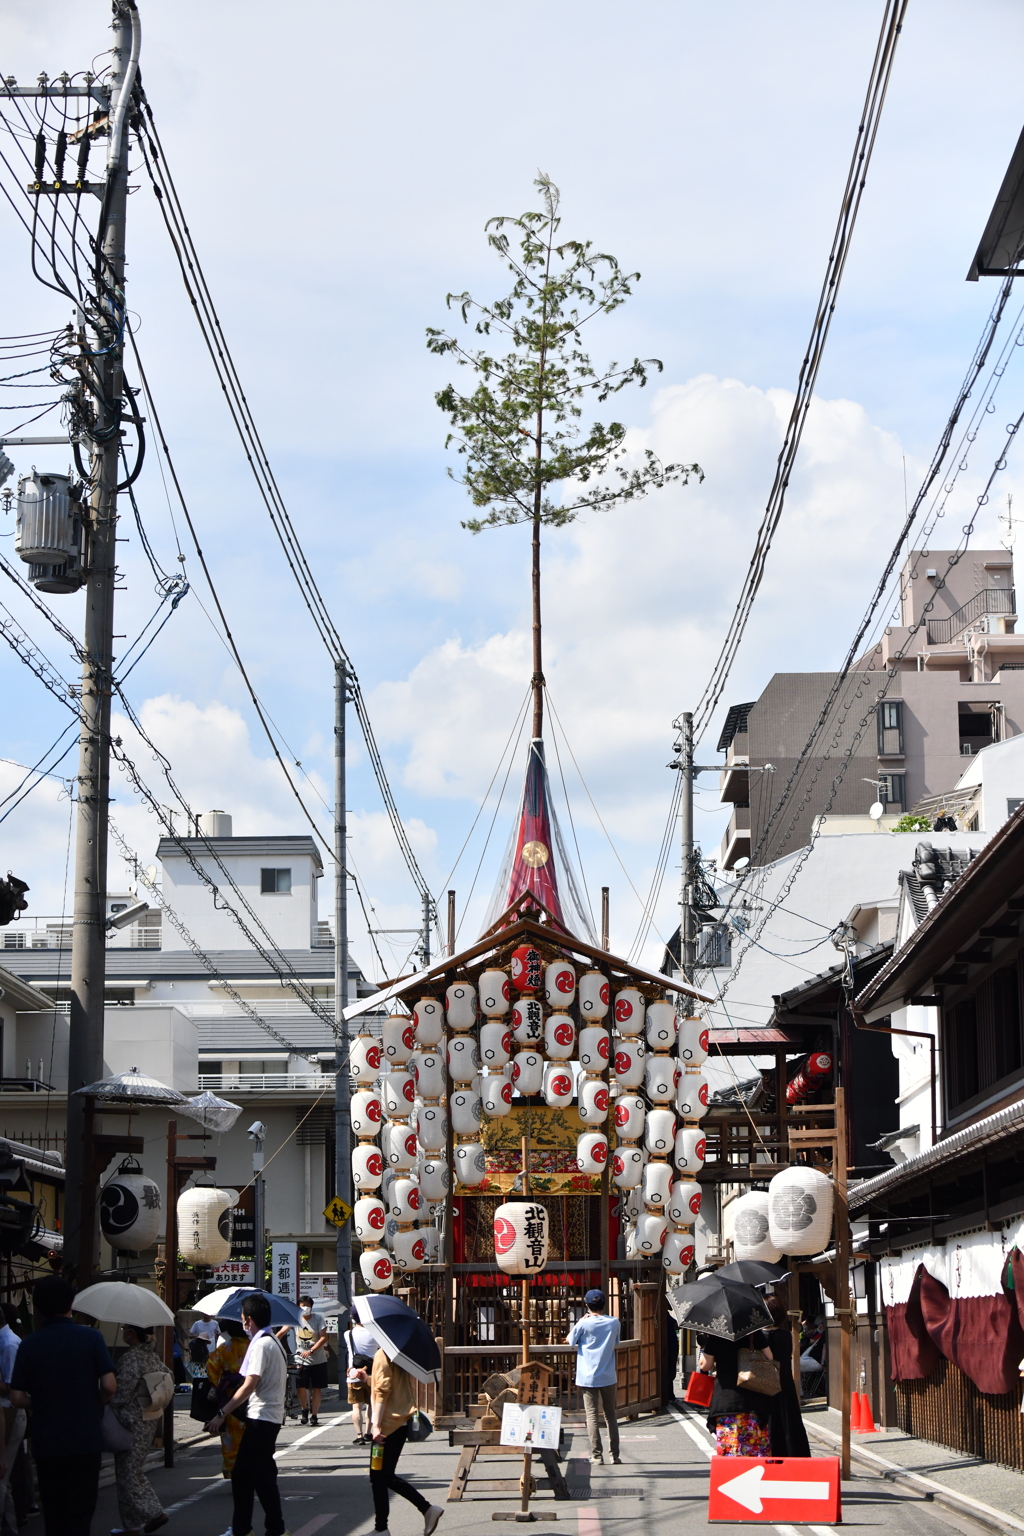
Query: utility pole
(428,914)
(342,1081)
(102,378)
(686,944)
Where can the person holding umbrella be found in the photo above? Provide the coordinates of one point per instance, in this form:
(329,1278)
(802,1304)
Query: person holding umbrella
(727,1316)
(265,1373)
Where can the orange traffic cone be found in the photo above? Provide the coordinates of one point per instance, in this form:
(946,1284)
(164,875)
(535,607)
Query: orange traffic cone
(855,1413)
(867,1419)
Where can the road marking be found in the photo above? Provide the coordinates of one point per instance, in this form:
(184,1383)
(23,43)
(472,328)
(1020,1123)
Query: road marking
(751,1488)
(589,1522)
(791,1530)
(822,1530)
(693,1432)
(172,1509)
(217,1480)
(316,1524)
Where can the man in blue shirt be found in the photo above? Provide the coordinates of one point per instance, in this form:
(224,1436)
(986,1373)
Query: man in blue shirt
(64,1373)
(595,1337)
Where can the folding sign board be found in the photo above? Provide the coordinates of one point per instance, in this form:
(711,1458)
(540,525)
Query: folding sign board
(532,1426)
(763,1490)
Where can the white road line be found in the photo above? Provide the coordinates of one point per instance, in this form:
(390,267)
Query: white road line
(217,1481)
(320,1430)
(822,1530)
(791,1530)
(693,1432)
(316,1524)
(589,1522)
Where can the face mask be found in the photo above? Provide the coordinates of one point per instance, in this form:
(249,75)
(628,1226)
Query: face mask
(307,1311)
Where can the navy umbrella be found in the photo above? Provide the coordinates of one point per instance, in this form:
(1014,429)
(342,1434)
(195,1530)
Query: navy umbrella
(402,1335)
(228,1303)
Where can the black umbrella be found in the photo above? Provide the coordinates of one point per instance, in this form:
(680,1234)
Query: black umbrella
(402,1335)
(753,1272)
(725,1308)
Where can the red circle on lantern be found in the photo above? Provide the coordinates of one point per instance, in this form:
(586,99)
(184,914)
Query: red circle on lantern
(604,993)
(563,1034)
(419,1249)
(686,1255)
(623,1009)
(604,1047)
(516,1070)
(375,1218)
(703,1038)
(410,1144)
(506,990)
(703,1095)
(601,1099)
(506,1092)
(617,1163)
(409,1037)
(382,1269)
(599,1152)
(504,1235)
(375,1163)
(409,1089)
(414,1200)
(373,1110)
(373,1055)
(700,1149)
(565,981)
(560,1085)
(623,1061)
(621,1114)
(695,1203)
(506,1042)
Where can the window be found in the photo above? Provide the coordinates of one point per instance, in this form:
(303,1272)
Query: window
(1013,805)
(962,1052)
(275,882)
(978,725)
(984,1044)
(892,790)
(890,728)
(14,941)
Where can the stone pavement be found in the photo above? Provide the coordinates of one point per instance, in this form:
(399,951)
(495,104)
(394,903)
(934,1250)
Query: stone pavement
(660,1489)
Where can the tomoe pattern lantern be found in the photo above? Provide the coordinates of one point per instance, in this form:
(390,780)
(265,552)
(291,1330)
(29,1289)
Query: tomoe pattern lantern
(559,984)
(204,1224)
(496,1095)
(375,1268)
(593,1100)
(592,1152)
(461,1005)
(689,1149)
(692,1042)
(521,1238)
(558,1083)
(593,996)
(399,1037)
(495,993)
(429,1021)
(368,1219)
(692,1095)
(527,969)
(678,1253)
(131,1214)
(800,1210)
(559,1037)
(629,1011)
(629,1063)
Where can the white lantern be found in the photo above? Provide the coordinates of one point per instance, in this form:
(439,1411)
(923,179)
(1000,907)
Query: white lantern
(657,1184)
(692,1095)
(558,1083)
(204,1225)
(692,1042)
(592,1152)
(521,1238)
(131,1214)
(595,1048)
(594,995)
(461,1000)
(661,1026)
(684,1204)
(594,1100)
(367,1165)
(660,1131)
(677,1254)
(690,1149)
(627,1167)
(629,1011)
(366,1112)
(405,1201)
(408,1250)
(364,1058)
(748,1216)
(629,1117)
(375,1267)
(528,1072)
(651,1228)
(629,1063)
(431,1244)
(368,1219)
(399,1093)
(463,1058)
(559,1036)
(429,1021)
(399,1145)
(434,1180)
(496,1095)
(559,984)
(660,1078)
(466,1111)
(631,1248)
(428,1070)
(495,993)
(527,1021)
(399,1037)
(470,1163)
(631,1205)
(495,1044)
(800,1210)
(431,1128)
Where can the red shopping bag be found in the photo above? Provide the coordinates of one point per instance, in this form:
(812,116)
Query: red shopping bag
(699,1389)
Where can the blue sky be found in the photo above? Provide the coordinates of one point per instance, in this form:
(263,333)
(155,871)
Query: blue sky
(337,166)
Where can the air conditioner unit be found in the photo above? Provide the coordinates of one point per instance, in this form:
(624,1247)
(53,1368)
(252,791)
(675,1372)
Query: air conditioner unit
(714,947)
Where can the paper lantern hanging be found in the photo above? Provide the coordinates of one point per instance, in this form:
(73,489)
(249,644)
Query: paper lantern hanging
(595,1048)
(408,1250)
(661,1026)
(594,995)
(434,1180)
(592,1152)
(496,1095)
(690,1149)
(460,1000)
(800,1210)
(495,1044)
(428,1071)
(527,1021)
(678,1251)
(594,1100)
(204,1224)
(367,1166)
(660,1073)
(364,1059)
(375,1268)
(629,1063)
(466,1111)
(651,1228)
(684,1202)
(627,1166)
(629,1012)
(660,1131)
(521,1238)
(692,1042)
(528,1072)
(463,1058)
(559,984)
(692,1095)
(470,1163)
(398,1038)
(657,1184)
(750,1236)
(527,969)
(398,1090)
(431,1244)
(131,1209)
(404,1199)
(495,993)
(366,1112)
(399,1145)
(429,1016)
(431,1128)
(630,1115)
(368,1217)
(630,1240)
(559,1037)
(558,1084)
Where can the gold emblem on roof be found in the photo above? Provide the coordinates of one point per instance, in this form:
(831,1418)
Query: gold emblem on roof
(535,854)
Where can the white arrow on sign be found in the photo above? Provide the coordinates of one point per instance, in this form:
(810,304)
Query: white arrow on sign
(750,1490)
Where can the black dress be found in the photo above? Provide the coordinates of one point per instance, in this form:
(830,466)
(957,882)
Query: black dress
(728,1397)
(785,1421)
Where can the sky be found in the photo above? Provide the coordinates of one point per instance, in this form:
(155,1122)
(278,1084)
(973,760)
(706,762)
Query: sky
(337,167)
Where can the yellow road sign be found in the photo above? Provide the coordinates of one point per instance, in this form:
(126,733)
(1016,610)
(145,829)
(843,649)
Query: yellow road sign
(338,1212)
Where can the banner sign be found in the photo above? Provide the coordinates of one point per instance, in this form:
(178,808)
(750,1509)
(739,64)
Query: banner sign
(765,1490)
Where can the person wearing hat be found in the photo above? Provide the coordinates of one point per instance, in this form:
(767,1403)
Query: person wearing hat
(594,1338)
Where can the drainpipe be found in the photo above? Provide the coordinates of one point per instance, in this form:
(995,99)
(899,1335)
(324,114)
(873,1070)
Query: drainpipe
(918,1034)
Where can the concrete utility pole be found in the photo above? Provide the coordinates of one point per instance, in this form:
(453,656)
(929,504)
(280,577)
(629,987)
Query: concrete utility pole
(102,378)
(342,1081)
(687,951)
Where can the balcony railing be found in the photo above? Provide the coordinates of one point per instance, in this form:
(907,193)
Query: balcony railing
(263,1082)
(988,600)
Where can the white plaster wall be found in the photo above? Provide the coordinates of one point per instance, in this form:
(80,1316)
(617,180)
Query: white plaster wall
(162,1042)
(290,919)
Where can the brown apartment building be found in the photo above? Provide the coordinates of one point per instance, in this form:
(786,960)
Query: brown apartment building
(943,683)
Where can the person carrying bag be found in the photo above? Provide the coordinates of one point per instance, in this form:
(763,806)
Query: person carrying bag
(739,1412)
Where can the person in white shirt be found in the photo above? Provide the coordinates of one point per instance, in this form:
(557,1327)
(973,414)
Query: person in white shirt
(265,1373)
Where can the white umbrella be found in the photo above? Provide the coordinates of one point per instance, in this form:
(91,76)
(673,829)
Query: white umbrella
(211,1304)
(112,1301)
(133,1087)
(213,1113)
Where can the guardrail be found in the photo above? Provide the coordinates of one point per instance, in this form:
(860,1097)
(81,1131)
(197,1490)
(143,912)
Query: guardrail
(988,600)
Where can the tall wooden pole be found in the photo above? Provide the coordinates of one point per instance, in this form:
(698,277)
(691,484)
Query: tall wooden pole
(537,680)
(843,1312)
(525,1283)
